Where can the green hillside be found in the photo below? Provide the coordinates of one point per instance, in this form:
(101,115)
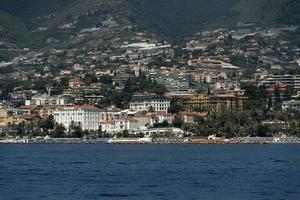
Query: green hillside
(177,18)
(173,19)
(13,28)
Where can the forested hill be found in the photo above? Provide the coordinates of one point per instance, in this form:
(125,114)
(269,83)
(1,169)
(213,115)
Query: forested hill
(176,18)
(173,19)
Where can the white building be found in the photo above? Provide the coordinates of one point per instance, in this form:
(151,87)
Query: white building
(160,117)
(118,126)
(87,116)
(291,105)
(145,103)
(45,100)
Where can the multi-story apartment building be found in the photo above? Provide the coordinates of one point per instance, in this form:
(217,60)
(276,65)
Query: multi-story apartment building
(148,102)
(278,92)
(118,126)
(86,116)
(113,113)
(292,81)
(233,101)
(297,83)
(46,100)
(174,82)
(291,105)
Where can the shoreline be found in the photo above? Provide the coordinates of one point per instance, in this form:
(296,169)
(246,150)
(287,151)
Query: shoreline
(154,141)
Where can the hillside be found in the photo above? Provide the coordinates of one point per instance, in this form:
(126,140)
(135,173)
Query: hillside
(31,22)
(178,18)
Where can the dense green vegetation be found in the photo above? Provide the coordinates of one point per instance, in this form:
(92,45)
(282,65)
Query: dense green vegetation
(20,19)
(178,18)
(230,124)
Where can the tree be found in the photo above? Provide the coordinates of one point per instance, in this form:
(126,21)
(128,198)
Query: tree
(124,134)
(90,78)
(177,122)
(164,124)
(47,123)
(59,131)
(151,109)
(75,130)
(175,108)
(21,129)
(262,131)
(106,80)
(154,87)
(199,120)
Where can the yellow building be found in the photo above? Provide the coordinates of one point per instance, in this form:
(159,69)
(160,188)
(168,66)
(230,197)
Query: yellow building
(232,101)
(10,120)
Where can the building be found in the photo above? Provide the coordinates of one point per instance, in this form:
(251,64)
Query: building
(148,102)
(226,85)
(118,126)
(174,82)
(211,64)
(143,120)
(292,81)
(45,100)
(291,105)
(297,83)
(233,101)
(278,92)
(6,121)
(113,113)
(190,117)
(160,117)
(18,98)
(86,116)
(75,83)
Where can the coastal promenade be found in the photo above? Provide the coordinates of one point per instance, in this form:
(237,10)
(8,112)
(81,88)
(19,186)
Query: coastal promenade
(239,140)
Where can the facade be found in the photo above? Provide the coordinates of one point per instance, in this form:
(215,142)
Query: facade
(292,82)
(86,116)
(148,102)
(113,113)
(291,105)
(190,117)
(119,126)
(278,92)
(45,100)
(297,83)
(174,82)
(143,120)
(226,85)
(214,103)
(110,114)
(75,83)
(19,97)
(160,117)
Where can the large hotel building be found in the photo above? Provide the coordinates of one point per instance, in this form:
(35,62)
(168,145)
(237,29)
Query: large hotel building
(233,101)
(86,116)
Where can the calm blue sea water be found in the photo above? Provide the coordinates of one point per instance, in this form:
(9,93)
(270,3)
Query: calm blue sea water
(204,172)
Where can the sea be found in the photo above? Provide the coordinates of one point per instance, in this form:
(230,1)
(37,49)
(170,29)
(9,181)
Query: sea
(200,172)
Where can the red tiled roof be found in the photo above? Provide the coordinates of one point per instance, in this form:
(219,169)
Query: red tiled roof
(76,79)
(84,107)
(201,114)
(131,120)
(162,114)
(28,107)
(141,116)
(29,117)
(107,122)
(87,107)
